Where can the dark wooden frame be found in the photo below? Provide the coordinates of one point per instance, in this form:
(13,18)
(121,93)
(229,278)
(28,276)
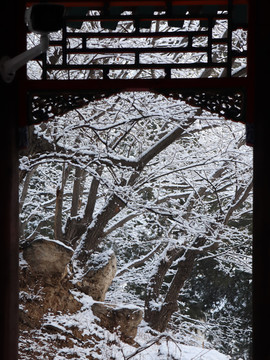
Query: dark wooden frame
(11,100)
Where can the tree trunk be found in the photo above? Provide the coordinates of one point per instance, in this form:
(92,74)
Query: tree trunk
(156,282)
(95,231)
(77,191)
(92,197)
(58,232)
(158,316)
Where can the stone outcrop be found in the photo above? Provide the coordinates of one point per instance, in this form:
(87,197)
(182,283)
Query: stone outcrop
(47,257)
(124,319)
(99,275)
(37,297)
(46,286)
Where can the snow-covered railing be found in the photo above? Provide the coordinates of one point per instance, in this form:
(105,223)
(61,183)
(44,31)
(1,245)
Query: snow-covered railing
(149,40)
(171,47)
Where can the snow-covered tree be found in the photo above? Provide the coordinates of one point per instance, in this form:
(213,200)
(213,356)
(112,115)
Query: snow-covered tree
(164,184)
(149,176)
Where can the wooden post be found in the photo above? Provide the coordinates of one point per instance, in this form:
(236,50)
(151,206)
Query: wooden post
(12,17)
(9,232)
(261,254)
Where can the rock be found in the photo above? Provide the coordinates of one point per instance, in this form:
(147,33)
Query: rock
(99,276)
(126,319)
(47,257)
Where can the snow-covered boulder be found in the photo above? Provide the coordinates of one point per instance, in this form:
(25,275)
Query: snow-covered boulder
(97,276)
(124,319)
(47,257)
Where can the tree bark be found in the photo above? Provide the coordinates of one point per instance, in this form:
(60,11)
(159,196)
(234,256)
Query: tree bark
(58,232)
(77,191)
(92,197)
(95,231)
(157,280)
(159,318)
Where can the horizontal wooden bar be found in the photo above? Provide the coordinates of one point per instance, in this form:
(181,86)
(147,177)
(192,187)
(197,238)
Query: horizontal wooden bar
(137,66)
(77,86)
(186,49)
(108,35)
(142,17)
(133,3)
(152,50)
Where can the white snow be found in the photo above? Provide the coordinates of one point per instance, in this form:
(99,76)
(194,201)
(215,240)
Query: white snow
(60,243)
(192,353)
(109,346)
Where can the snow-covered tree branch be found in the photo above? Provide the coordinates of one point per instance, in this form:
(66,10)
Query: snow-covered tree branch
(165,185)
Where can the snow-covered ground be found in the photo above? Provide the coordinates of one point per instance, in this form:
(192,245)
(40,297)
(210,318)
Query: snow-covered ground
(56,341)
(169,350)
(181,352)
